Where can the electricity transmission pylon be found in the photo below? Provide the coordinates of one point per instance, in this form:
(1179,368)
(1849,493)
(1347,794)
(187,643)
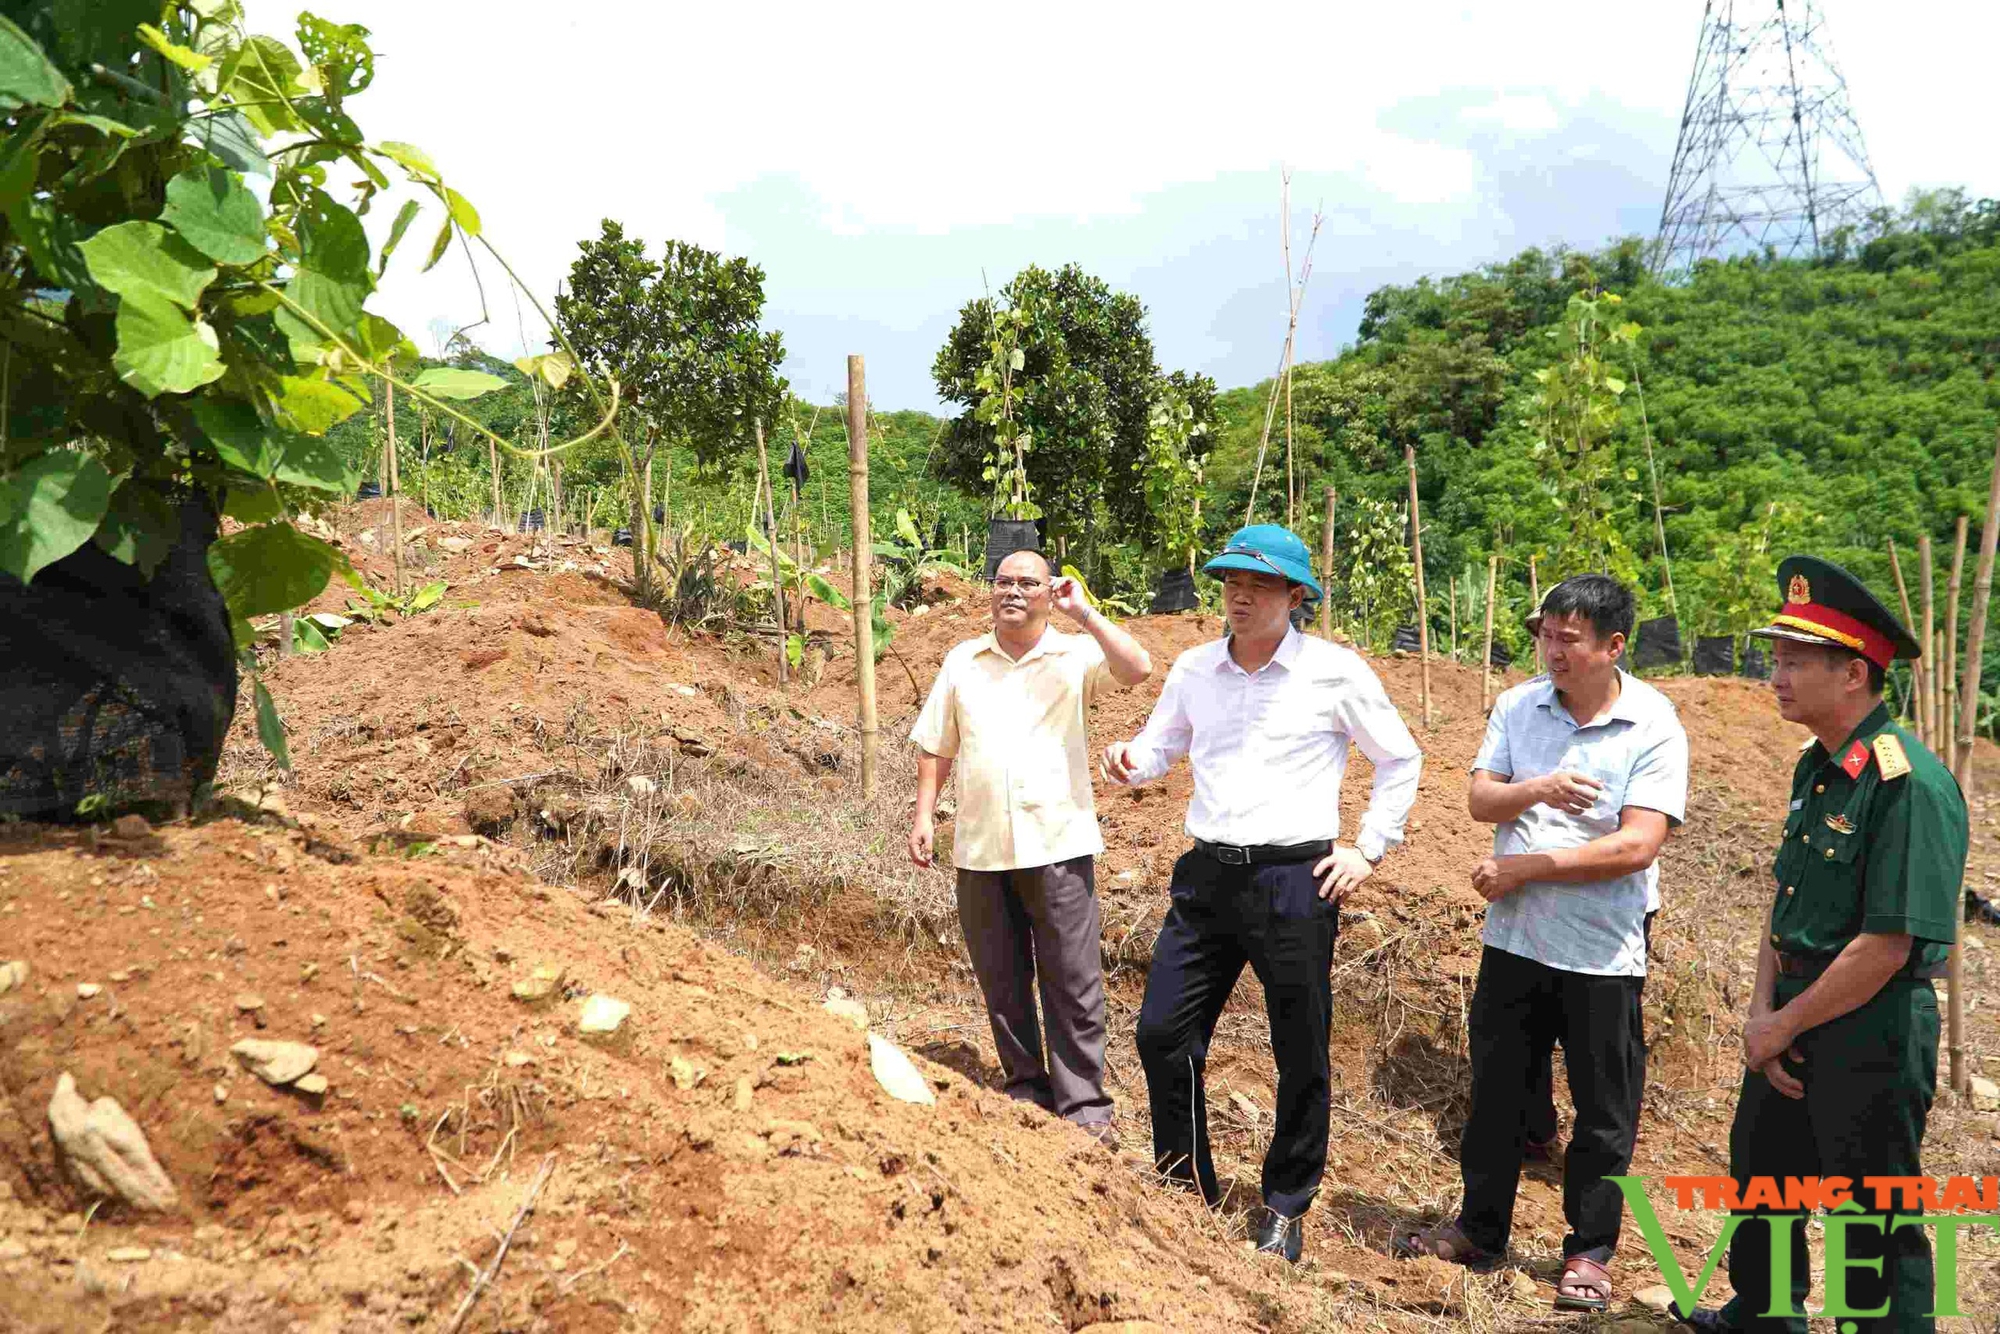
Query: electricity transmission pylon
(1770,156)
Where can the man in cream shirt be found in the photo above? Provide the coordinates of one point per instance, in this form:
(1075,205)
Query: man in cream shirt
(1007,710)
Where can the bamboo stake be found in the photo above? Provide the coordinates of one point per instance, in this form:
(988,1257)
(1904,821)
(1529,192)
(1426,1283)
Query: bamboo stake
(1453,586)
(1295,295)
(864,625)
(285,623)
(1928,662)
(771,536)
(1535,601)
(1968,721)
(1951,647)
(1423,604)
(1486,658)
(1915,702)
(395,488)
(1326,567)
(493,468)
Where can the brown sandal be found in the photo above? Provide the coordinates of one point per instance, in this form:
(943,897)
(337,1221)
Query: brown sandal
(1583,1274)
(1444,1242)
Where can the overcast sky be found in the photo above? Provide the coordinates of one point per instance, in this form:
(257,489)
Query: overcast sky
(875,159)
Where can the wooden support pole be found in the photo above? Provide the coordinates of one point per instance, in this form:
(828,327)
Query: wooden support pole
(1486,658)
(771,535)
(1535,605)
(1423,604)
(1951,646)
(395,491)
(1928,662)
(493,468)
(1453,586)
(285,623)
(1968,721)
(864,610)
(1326,566)
(1916,697)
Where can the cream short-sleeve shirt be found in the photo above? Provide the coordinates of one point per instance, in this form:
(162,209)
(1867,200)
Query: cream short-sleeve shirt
(1016,732)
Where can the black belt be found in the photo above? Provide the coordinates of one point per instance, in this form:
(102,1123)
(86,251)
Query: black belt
(1258,854)
(1812,965)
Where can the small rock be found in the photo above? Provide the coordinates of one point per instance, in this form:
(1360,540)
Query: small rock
(275,1063)
(319,1021)
(13,973)
(1522,1287)
(12,1249)
(249,1002)
(126,1255)
(121,975)
(314,1084)
(541,984)
(517,1059)
(130,826)
(893,1071)
(602,1014)
(85,990)
(641,785)
(1973,943)
(106,1149)
(1659,1297)
(1985,1094)
(849,1009)
(455,545)
(489,810)
(222,1093)
(740,1101)
(353,1212)
(685,1072)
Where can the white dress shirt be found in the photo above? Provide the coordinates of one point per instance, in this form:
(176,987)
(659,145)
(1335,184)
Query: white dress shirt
(1269,748)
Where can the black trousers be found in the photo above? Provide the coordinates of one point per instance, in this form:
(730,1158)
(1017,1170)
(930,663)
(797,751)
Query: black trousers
(1519,1009)
(1272,918)
(1542,1125)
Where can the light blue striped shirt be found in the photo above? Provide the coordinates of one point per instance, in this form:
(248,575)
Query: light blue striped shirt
(1639,752)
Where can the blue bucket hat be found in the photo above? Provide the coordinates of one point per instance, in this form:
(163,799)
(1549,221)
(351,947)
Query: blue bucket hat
(1268,548)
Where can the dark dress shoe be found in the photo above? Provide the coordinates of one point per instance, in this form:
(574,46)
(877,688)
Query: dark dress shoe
(1280,1235)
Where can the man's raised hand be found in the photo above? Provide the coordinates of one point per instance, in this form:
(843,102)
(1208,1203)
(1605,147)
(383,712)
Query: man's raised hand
(1568,791)
(1066,595)
(1117,765)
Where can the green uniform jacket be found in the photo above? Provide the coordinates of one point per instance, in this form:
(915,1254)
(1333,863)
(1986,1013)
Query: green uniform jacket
(1868,854)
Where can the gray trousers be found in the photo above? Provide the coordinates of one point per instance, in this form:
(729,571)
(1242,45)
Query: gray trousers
(1041,923)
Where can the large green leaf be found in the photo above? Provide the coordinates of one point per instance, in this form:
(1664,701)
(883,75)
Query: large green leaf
(270,728)
(332,240)
(334,304)
(315,406)
(26,76)
(462,211)
(311,461)
(239,436)
(48,508)
(140,527)
(272,567)
(410,158)
(229,136)
(162,351)
(262,75)
(827,593)
(214,213)
(144,258)
(404,217)
(451,382)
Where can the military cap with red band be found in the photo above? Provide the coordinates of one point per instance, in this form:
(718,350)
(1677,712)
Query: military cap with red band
(1824,604)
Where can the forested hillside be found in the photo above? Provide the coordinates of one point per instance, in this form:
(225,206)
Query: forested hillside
(1832,405)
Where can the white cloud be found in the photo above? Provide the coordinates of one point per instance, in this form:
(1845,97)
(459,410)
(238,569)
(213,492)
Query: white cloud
(967,128)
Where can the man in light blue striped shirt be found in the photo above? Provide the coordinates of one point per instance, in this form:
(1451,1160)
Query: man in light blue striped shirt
(1582,773)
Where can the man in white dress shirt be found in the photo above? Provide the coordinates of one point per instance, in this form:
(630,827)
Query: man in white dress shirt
(1265,718)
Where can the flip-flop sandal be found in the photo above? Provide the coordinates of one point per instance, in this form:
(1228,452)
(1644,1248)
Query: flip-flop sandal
(1444,1242)
(1583,1274)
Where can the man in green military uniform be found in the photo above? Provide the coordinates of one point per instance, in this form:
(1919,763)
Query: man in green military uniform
(1840,1046)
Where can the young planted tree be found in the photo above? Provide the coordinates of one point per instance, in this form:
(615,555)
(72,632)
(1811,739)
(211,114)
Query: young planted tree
(174,346)
(681,337)
(1081,393)
(1170,476)
(1575,409)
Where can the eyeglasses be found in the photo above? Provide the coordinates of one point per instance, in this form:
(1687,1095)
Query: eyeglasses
(1028,587)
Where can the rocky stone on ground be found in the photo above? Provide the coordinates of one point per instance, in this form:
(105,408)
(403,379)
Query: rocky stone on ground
(1659,1297)
(894,1072)
(106,1149)
(602,1014)
(539,985)
(840,1003)
(14,973)
(275,1063)
(1985,1094)
(489,810)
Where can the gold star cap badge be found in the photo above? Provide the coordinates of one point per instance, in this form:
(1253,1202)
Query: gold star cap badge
(1798,590)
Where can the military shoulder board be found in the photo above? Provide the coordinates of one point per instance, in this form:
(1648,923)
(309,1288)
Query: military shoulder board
(1889,756)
